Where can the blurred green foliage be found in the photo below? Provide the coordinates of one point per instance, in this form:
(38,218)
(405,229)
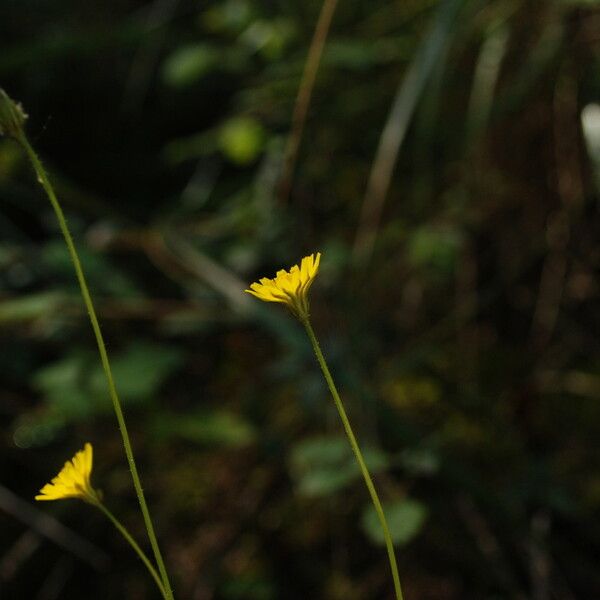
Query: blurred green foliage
(465,342)
(405,517)
(326,465)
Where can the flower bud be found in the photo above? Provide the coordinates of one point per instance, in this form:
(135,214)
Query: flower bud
(12,116)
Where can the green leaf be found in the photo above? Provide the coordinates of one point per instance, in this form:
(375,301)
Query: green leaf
(248,587)
(139,371)
(242,139)
(405,520)
(65,385)
(324,465)
(436,249)
(420,461)
(189,64)
(76,388)
(27,308)
(268,37)
(220,428)
(102,274)
(230,16)
(360,55)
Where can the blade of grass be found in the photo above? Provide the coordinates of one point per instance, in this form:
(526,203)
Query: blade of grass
(303,98)
(402,110)
(487,71)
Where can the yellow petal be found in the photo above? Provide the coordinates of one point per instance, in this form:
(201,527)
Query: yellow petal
(73,481)
(289,287)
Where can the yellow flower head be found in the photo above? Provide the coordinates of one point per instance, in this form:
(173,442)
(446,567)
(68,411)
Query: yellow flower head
(290,287)
(73,481)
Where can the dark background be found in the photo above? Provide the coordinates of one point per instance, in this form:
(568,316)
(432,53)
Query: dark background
(465,338)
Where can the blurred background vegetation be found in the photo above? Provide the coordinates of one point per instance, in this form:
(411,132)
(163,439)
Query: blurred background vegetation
(458,299)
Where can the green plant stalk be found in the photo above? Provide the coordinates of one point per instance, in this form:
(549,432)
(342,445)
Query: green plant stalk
(45,182)
(357,453)
(123,531)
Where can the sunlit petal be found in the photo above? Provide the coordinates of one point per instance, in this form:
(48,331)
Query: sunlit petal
(73,481)
(289,287)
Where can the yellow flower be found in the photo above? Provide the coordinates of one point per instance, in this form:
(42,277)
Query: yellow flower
(290,287)
(73,481)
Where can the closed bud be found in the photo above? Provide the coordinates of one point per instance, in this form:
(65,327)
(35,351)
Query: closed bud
(12,116)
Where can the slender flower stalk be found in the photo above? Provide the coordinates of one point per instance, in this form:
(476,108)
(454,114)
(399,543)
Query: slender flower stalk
(123,531)
(12,120)
(358,454)
(291,288)
(74,481)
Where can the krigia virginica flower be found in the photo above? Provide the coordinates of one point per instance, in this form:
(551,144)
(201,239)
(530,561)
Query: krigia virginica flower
(73,481)
(290,287)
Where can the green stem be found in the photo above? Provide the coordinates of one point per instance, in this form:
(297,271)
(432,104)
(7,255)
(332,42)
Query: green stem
(135,546)
(358,454)
(45,182)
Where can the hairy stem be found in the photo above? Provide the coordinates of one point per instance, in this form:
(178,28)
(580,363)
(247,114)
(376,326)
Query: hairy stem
(123,531)
(45,182)
(358,454)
